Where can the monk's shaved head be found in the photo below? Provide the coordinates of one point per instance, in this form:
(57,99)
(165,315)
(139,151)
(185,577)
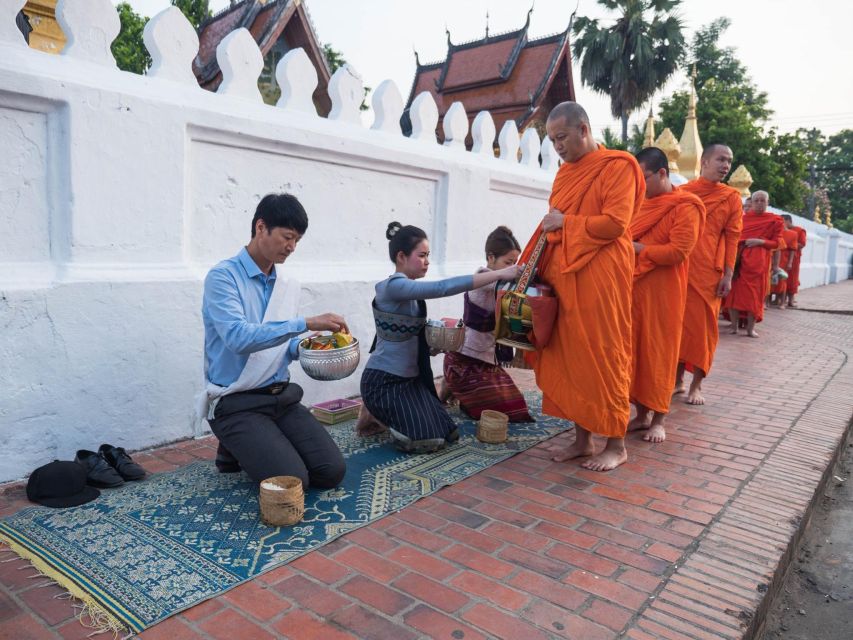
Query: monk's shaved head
(709,151)
(569,131)
(787,218)
(571,112)
(716,162)
(760,200)
(653,159)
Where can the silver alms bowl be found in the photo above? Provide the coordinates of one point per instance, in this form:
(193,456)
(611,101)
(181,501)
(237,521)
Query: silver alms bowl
(330,364)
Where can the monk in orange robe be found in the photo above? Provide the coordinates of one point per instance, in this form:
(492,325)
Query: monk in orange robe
(794,273)
(760,236)
(709,274)
(584,371)
(664,233)
(788,247)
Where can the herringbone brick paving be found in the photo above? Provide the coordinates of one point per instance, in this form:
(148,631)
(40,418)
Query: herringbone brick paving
(687,540)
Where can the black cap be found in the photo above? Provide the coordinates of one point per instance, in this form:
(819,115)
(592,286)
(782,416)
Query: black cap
(60,484)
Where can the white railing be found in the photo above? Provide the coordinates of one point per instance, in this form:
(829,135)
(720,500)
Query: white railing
(119,191)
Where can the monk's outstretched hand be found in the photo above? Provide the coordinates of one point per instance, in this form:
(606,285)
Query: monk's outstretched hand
(553,221)
(725,286)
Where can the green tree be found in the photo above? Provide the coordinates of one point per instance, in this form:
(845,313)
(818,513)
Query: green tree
(632,58)
(733,111)
(128,49)
(196,11)
(834,171)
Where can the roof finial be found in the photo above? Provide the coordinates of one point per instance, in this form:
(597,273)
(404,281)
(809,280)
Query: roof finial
(487,24)
(417,59)
(691,106)
(527,22)
(447,31)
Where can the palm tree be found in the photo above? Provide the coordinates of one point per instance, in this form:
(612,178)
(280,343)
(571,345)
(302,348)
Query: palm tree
(634,57)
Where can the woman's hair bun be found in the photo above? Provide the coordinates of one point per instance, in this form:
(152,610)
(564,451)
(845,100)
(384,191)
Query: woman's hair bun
(392,229)
(503,229)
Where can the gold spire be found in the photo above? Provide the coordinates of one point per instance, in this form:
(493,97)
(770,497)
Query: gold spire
(649,135)
(741,180)
(667,143)
(817,213)
(689,162)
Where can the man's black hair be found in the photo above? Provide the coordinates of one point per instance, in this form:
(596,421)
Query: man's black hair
(281,210)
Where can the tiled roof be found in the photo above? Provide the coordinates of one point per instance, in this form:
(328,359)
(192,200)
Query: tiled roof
(507,75)
(265,21)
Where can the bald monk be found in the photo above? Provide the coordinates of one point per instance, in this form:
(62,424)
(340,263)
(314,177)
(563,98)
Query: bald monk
(585,369)
(788,246)
(759,238)
(794,273)
(709,274)
(664,233)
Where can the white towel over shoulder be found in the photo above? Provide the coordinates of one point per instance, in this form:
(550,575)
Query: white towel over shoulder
(261,365)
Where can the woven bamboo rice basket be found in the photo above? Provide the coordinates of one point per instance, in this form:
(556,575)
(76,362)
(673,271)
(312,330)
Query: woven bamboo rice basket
(492,427)
(445,339)
(282,501)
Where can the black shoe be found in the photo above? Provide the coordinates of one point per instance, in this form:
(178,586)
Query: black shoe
(121,462)
(99,473)
(225,462)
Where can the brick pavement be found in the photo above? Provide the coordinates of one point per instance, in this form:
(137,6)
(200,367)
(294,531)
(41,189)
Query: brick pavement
(688,540)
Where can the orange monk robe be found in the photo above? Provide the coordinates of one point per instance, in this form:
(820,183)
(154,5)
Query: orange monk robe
(788,247)
(778,250)
(715,250)
(669,226)
(749,287)
(584,371)
(794,275)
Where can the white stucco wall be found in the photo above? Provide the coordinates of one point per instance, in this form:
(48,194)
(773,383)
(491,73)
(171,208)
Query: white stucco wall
(118,192)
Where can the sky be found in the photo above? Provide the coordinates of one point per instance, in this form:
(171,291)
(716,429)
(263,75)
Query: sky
(798,53)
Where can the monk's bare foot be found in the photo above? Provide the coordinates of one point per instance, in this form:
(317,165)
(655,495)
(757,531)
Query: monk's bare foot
(639,423)
(607,460)
(695,397)
(574,450)
(656,434)
(733,329)
(679,388)
(752,334)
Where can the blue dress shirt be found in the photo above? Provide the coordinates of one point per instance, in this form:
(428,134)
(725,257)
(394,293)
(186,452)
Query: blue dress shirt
(236,294)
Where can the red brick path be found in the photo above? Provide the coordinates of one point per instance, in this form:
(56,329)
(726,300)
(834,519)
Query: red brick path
(687,540)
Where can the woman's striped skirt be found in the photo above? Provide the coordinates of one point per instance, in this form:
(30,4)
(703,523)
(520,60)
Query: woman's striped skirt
(416,418)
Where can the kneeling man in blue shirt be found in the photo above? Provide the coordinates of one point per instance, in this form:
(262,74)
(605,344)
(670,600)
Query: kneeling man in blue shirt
(251,335)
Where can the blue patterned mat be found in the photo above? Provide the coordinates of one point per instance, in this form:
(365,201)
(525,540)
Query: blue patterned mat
(148,550)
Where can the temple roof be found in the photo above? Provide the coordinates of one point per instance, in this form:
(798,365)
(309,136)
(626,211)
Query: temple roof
(507,74)
(266,21)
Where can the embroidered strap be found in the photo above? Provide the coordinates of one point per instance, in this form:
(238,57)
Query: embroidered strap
(518,293)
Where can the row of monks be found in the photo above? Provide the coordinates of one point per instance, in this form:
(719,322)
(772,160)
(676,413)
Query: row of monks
(642,270)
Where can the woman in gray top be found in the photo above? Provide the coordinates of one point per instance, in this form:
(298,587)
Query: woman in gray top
(397,384)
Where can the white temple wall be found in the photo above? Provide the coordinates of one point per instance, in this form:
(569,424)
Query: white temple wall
(118,192)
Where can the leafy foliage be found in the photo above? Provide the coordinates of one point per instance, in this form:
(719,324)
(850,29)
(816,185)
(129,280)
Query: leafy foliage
(196,11)
(731,110)
(632,58)
(128,49)
(833,164)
